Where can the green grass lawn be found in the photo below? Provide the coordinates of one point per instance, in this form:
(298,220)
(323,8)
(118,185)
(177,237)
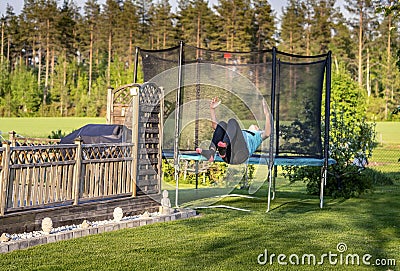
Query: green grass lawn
(388,133)
(42,127)
(221,239)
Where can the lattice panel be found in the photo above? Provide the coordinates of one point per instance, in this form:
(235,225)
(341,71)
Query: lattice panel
(149,95)
(41,154)
(123,95)
(97,151)
(120,107)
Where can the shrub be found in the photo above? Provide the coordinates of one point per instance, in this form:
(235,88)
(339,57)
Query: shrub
(56,134)
(214,175)
(352,140)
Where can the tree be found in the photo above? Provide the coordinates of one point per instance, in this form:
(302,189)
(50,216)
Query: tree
(161,23)
(263,26)
(92,16)
(388,54)
(130,19)
(25,95)
(196,23)
(5,90)
(66,51)
(364,15)
(322,26)
(235,18)
(144,21)
(292,29)
(12,34)
(111,27)
(341,43)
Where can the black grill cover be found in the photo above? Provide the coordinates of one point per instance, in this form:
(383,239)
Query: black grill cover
(99,133)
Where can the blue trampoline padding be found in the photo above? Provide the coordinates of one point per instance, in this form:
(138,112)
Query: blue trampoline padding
(259,159)
(217,158)
(302,161)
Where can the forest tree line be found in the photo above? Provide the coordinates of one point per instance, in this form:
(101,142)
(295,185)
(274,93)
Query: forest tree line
(58,59)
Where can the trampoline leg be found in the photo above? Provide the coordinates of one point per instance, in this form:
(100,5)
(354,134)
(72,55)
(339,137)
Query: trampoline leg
(274,181)
(176,177)
(269,190)
(323,183)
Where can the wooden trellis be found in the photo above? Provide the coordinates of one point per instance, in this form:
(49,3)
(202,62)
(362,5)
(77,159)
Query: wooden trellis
(140,108)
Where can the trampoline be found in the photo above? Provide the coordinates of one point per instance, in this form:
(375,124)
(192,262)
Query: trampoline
(296,88)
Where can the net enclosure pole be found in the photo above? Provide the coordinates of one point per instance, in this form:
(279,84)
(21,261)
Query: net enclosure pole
(136,63)
(177,123)
(196,124)
(272,136)
(328,70)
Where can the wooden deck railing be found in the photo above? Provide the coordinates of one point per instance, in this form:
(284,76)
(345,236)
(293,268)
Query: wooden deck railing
(37,173)
(18,140)
(51,175)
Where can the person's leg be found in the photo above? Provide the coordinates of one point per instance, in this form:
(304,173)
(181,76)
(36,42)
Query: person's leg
(234,144)
(224,143)
(218,135)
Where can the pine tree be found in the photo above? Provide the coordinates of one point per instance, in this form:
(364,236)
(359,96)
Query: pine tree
(161,24)
(186,22)
(67,52)
(196,23)
(322,26)
(292,34)
(144,29)
(263,26)
(11,35)
(363,11)
(90,42)
(235,17)
(110,27)
(341,44)
(130,20)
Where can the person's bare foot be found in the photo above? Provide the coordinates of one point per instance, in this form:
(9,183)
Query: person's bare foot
(208,154)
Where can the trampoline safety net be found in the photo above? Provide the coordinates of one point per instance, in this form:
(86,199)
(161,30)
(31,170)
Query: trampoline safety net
(292,86)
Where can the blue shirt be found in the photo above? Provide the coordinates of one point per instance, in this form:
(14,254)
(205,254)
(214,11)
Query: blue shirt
(253,140)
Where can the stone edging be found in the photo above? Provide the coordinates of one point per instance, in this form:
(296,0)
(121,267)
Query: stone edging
(51,238)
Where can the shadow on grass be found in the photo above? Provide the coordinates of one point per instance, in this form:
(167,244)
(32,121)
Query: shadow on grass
(296,224)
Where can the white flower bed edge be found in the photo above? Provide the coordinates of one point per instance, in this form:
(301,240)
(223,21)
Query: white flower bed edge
(29,239)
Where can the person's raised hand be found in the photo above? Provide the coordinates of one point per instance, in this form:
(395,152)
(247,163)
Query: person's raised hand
(214,103)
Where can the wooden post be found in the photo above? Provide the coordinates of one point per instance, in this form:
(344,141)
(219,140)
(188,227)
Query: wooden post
(135,136)
(12,138)
(110,107)
(4,177)
(160,136)
(77,170)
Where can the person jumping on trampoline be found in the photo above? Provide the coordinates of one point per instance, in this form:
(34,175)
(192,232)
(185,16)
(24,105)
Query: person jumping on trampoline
(234,145)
